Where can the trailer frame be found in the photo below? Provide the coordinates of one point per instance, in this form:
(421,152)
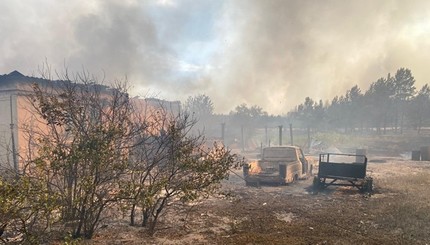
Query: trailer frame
(352,173)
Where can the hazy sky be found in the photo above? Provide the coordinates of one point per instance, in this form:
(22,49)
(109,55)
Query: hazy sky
(259,52)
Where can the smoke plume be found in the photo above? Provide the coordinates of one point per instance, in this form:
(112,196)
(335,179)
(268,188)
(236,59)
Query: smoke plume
(271,53)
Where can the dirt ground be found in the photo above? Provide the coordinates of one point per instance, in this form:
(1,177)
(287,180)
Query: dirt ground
(398,212)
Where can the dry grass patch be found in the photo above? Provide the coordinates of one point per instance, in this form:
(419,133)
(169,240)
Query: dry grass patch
(404,206)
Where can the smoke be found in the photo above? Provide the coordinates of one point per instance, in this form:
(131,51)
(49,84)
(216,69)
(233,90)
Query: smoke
(143,40)
(283,51)
(271,53)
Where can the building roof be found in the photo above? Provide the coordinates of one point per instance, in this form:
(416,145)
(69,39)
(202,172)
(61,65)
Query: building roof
(18,77)
(16,73)
(10,82)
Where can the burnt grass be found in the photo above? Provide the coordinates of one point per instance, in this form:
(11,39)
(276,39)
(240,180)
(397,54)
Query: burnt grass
(397,212)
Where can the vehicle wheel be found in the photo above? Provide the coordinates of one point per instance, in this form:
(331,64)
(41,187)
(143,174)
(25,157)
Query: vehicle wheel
(245,170)
(368,185)
(316,185)
(252,184)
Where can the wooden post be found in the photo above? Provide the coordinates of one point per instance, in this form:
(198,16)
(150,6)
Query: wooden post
(242,138)
(280,135)
(291,134)
(267,137)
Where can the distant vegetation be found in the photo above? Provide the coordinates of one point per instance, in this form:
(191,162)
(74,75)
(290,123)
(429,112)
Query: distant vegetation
(390,105)
(391,102)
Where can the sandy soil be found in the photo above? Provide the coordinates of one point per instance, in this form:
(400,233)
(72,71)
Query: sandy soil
(398,212)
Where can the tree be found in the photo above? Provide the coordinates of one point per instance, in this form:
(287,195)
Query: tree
(320,114)
(311,114)
(190,171)
(201,108)
(334,113)
(92,148)
(420,107)
(378,102)
(247,119)
(403,85)
(354,112)
(82,153)
(306,112)
(27,209)
(173,166)
(404,90)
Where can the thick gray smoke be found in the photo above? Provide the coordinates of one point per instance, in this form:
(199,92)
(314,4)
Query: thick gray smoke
(283,51)
(269,53)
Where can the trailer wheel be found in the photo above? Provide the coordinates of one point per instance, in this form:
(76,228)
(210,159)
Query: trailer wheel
(316,185)
(368,185)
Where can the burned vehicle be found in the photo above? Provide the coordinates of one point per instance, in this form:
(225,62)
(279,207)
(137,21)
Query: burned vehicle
(342,170)
(278,165)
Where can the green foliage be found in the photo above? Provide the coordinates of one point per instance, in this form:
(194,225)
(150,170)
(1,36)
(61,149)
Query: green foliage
(384,105)
(419,108)
(200,106)
(403,84)
(247,119)
(310,113)
(174,166)
(27,208)
(84,151)
(70,240)
(94,150)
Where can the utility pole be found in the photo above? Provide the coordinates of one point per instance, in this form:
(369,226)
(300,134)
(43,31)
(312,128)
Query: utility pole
(267,138)
(12,126)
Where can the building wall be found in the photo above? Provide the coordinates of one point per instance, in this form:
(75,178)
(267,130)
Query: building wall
(28,122)
(25,121)
(7,110)
(156,112)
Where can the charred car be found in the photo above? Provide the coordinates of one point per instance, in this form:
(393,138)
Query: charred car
(278,165)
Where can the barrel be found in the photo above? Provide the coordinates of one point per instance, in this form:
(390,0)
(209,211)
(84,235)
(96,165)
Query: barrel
(425,153)
(416,155)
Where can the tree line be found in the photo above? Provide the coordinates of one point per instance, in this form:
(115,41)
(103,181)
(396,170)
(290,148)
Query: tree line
(390,103)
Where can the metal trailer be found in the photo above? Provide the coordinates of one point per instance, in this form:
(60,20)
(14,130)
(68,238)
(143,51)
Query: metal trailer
(342,170)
